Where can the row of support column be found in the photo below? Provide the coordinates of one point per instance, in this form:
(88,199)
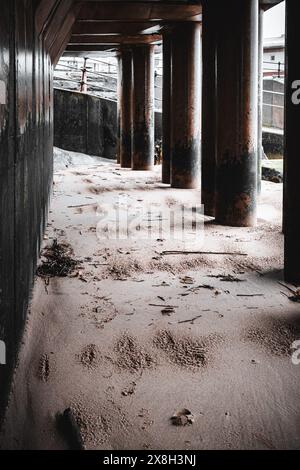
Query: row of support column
(181,98)
(232,119)
(230,131)
(230,108)
(229,156)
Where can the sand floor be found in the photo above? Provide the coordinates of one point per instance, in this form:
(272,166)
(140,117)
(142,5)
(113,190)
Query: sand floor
(104,343)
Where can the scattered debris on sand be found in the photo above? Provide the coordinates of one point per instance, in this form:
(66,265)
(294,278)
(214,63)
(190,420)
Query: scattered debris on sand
(187,280)
(168,311)
(191,320)
(183,418)
(59,261)
(195,290)
(226,277)
(221,253)
(129,390)
(296,296)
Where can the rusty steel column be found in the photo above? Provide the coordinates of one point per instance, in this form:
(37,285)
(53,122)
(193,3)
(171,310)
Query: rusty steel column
(126,108)
(186,105)
(143,107)
(166,108)
(209,116)
(260,96)
(118,107)
(237,99)
(291,207)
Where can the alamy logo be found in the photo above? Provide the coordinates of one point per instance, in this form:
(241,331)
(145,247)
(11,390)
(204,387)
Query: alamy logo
(2,353)
(122,220)
(296,93)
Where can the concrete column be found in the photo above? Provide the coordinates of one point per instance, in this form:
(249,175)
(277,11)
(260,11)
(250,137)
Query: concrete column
(186,105)
(260,96)
(237,99)
(126,108)
(209,116)
(291,208)
(119,108)
(143,107)
(166,108)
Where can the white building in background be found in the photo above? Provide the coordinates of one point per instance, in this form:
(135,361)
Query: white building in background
(274,55)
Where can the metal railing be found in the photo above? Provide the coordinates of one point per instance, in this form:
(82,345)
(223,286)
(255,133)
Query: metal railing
(277,71)
(273,94)
(93,76)
(100,77)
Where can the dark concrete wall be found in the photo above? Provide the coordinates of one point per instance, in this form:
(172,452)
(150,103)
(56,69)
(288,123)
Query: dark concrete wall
(26,148)
(88,124)
(85,123)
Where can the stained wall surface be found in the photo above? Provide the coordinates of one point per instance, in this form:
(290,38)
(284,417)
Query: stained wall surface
(85,123)
(26,158)
(88,124)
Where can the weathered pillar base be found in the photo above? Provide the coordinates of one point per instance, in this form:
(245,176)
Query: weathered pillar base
(186,106)
(237,100)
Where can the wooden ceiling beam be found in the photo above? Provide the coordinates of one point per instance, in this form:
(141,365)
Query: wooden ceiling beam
(142,11)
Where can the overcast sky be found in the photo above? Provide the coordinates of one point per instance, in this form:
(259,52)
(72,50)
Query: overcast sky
(274,21)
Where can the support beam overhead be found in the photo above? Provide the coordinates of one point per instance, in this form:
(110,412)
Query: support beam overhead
(108,11)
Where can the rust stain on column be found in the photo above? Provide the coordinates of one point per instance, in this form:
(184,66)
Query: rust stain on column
(186,106)
(209,91)
(126,108)
(237,99)
(260,97)
(166,108)
(143,107)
